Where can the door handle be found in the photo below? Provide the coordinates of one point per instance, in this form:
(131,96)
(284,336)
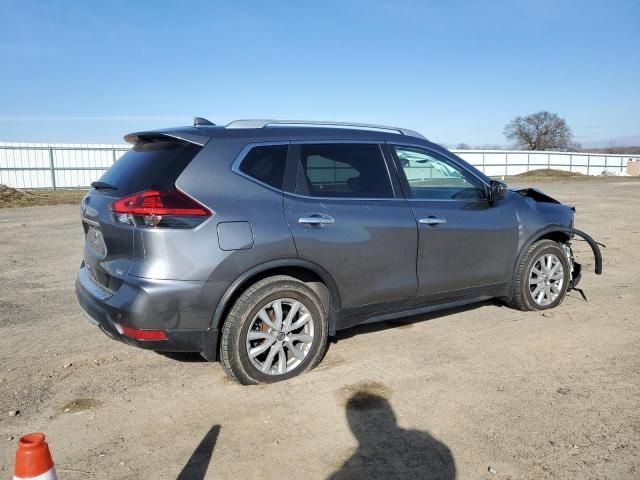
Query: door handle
(431,220)
(316,219)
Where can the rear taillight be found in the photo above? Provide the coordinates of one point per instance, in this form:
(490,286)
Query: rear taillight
(169,201)
(167,207)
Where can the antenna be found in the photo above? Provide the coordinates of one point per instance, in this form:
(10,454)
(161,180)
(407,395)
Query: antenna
(199,121)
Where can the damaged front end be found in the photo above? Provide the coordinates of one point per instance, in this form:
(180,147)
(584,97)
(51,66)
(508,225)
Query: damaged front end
(595,248)
(560,218)
(537,195)
(576,268)
(575,273)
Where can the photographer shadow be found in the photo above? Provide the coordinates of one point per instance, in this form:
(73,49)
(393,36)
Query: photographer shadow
(386,450)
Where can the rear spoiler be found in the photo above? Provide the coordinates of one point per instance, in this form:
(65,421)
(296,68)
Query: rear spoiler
(186,134)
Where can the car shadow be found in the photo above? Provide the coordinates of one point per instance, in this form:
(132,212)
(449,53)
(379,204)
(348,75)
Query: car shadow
(408,321)
(386,450)
(197,465)
(185,357)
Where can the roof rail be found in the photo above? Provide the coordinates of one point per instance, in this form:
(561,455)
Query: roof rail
(265,123)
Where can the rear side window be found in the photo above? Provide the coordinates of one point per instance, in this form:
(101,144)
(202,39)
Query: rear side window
(343,170)
(154,164)
(266,164)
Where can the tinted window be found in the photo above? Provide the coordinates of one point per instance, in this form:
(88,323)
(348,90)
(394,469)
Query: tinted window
(266,164)
(343,170)
(150,165)
(432,176)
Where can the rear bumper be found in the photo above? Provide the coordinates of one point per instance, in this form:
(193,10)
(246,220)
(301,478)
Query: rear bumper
(146,309)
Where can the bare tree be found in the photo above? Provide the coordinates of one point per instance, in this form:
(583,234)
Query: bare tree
(463,146)
(540,131)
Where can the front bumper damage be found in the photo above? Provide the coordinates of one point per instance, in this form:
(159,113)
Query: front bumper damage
(537,197)
(576,273)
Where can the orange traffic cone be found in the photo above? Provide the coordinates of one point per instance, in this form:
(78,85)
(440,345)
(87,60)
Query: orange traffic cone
(33,459)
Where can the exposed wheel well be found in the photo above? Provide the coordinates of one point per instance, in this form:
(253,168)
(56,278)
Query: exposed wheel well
(556,236)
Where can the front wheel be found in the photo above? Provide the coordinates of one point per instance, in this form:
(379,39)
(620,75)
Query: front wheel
(276,330)
(541,278)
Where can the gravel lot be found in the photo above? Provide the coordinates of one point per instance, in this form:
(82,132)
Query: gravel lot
(553,395)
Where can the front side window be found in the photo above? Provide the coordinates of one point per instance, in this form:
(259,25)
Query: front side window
(343,170)
(432,176)
(266,164)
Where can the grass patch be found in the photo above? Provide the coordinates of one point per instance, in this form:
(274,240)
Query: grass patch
(548,173)
(13,198)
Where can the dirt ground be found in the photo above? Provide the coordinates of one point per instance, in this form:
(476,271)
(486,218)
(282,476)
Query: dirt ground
(12,198)
(529,395)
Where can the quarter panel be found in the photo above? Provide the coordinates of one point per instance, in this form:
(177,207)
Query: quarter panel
(196,254)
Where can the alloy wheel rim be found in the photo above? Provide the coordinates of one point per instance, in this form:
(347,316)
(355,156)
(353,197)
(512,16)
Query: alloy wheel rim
(546,279)
(280,336)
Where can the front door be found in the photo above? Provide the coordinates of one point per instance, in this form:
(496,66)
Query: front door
(464,240)
(346,215)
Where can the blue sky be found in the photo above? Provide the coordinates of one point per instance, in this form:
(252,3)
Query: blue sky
(78,71)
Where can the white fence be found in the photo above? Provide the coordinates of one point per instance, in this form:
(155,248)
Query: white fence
(41,165)
(57,165)
(496,163)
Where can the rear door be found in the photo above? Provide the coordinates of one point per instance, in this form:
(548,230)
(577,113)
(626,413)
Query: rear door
(109,237)
(347,216)
(460,234)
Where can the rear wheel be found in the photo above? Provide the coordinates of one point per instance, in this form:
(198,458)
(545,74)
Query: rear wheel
(542,277)
(276,330)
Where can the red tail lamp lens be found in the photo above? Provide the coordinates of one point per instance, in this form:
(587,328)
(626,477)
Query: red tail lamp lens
(169,201)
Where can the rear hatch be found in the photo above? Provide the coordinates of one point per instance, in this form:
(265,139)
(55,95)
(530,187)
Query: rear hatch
(137,184)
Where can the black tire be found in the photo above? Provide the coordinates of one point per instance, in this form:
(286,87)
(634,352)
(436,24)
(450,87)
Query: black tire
(233,346)
(520,297)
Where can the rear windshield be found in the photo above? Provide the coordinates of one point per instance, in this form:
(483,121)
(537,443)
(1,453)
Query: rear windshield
(150,165)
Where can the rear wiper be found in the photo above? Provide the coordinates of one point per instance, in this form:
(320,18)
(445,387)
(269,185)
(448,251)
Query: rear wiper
(103,186)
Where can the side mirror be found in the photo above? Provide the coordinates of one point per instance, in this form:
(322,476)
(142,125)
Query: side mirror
(497,190)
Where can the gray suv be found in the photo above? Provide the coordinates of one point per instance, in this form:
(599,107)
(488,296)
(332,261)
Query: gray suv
(252,243)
